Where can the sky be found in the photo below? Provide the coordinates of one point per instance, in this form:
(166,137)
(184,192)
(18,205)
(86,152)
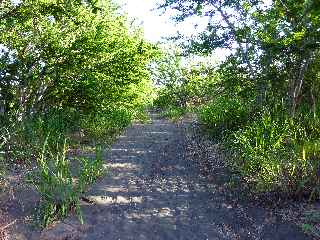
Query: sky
(156,25)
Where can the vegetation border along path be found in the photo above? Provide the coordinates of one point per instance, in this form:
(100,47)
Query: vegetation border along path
(155,191)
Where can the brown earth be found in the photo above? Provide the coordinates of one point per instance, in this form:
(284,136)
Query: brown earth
(155,189)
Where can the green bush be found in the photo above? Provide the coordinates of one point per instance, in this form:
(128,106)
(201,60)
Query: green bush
(105,125)
(224,113)
(21,141)
(277,154)
(166,97)
(174,113)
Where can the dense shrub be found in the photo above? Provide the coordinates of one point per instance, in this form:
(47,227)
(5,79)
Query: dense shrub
(277,154)
(104,125)
(224,113)
(165,98)
(174,113)
(21,141)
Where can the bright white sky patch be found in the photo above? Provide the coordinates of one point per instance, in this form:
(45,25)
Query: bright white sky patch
(16,2)
(156,25)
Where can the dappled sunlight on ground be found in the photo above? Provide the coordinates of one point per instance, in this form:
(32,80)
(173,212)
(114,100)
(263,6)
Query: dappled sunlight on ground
(152,191)
(123,166)
(105,200)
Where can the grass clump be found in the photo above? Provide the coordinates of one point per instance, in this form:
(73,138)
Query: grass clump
(60,182)
(174,113)
(271,150)
(277,154)
(224,113)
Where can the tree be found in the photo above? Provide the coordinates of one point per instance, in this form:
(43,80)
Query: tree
(68,54)
(274,46)
(182,81)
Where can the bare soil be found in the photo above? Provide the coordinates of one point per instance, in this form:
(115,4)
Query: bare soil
(159,186)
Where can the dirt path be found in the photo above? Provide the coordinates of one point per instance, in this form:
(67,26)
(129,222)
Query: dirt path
(153,191)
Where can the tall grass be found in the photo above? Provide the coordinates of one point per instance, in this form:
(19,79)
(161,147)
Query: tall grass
(61,182)
(271,150)
(43,141)
(224,113)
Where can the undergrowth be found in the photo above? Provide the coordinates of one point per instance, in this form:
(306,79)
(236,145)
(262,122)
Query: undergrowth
(174,113)
(44,141)
(61,181)
(271,150)
(277,154)
(224,113)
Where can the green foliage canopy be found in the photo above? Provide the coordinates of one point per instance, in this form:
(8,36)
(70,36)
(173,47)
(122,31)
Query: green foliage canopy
(275,47)
(69,54)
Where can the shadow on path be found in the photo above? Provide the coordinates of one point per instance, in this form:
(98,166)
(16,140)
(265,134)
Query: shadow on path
(153,191)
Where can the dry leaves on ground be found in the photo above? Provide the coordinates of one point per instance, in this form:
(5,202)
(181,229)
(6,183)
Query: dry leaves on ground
(4,226)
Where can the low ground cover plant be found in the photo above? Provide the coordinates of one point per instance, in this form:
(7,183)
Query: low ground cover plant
(60,181)
(277,154)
